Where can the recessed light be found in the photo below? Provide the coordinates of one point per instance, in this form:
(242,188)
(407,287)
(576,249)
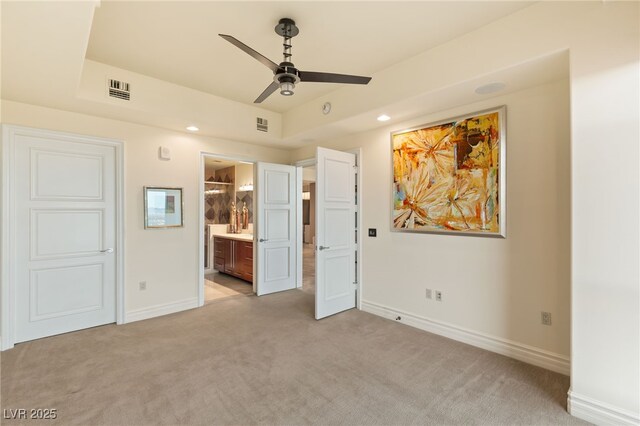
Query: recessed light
(192,128)
(490,88)
(383,117)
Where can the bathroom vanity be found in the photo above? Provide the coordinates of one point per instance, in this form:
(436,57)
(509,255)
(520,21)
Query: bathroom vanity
(233,255)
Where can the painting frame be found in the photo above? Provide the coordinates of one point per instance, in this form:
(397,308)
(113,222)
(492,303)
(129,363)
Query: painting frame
(163,207)
(500,197)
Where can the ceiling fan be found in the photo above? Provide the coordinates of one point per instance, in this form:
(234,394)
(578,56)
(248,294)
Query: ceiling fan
(285,74)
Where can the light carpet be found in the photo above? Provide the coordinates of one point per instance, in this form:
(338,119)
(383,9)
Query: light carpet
(265,360)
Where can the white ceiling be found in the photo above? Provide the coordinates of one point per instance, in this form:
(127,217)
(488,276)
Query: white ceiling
(182,73)
(178,41)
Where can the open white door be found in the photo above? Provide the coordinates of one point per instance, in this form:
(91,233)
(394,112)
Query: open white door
(335,232)
(275,186)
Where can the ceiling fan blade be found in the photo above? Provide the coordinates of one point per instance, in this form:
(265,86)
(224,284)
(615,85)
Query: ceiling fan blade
(260,57)
(327,77)
(268,91)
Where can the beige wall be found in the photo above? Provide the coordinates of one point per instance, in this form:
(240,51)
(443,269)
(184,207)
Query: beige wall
(166,259)
(493,286)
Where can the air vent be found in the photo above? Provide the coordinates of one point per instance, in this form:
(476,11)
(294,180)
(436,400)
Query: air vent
(262,124)
(119,89)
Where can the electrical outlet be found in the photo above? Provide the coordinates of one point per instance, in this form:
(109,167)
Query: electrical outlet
(438,296)
(143,285)
(546,318)
(429,293)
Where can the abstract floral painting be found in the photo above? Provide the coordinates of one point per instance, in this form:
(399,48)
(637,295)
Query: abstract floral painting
(448,177)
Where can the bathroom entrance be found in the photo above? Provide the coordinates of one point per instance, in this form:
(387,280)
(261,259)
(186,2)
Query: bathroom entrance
(228,232)
(309,228)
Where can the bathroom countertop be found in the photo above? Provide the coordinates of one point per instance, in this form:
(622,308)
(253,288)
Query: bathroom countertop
(239,237)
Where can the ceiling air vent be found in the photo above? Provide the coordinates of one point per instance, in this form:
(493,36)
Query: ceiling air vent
(119,89)
(262,124)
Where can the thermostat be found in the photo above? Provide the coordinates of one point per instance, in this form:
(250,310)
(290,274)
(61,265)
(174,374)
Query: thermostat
(164,153)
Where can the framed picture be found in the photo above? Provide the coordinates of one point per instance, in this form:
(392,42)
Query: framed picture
(162,207)
(449,176)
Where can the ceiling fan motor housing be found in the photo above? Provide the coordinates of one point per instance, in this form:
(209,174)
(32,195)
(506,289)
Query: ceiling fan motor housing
(287,72)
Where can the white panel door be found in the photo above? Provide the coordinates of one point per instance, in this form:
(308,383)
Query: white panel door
(65,200)
(335,232)
(276,231)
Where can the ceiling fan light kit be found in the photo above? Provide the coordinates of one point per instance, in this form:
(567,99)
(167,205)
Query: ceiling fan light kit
(285,74)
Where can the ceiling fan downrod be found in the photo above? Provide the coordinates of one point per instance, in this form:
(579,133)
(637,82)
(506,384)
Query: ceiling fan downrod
(289,77)
(287,29)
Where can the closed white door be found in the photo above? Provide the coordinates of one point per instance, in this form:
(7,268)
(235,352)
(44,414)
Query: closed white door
(65,210)
(275,186)
(335,232)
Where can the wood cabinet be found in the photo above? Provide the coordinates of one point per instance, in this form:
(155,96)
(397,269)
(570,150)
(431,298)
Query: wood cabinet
(233,257)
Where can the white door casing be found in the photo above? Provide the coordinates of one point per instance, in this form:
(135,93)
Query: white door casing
(64,225)
(275,234)
(335,232)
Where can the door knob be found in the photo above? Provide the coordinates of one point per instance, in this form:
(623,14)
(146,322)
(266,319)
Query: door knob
(323,248)
(109,250)
(262,240)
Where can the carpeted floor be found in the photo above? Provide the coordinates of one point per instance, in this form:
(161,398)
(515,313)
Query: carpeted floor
(265,360)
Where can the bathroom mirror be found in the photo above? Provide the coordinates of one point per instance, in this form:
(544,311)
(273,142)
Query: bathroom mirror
(162,207)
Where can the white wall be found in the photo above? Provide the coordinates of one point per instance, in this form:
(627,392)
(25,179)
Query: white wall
(167,259)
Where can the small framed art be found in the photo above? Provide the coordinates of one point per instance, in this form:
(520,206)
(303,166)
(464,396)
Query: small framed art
(162,207)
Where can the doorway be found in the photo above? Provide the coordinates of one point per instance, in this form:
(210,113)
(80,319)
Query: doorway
(278,243)
(267,256)
(331,254)
(228,228)
(309,229)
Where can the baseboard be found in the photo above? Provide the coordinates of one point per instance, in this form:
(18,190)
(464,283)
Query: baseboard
(529,354)
(159,310)
(599,413)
